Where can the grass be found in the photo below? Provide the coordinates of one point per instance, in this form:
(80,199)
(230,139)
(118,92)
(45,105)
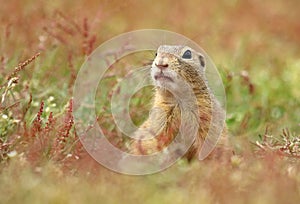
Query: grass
(255,46)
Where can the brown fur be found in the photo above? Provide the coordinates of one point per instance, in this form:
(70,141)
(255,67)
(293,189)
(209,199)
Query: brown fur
(165,122)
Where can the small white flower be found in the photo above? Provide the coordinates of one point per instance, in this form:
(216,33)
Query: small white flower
(16,121)
(35,104)
(12,154)
(47,109)
(51,98)
(4,116)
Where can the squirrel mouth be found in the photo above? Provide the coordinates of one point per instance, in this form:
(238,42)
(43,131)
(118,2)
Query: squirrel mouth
(161,76)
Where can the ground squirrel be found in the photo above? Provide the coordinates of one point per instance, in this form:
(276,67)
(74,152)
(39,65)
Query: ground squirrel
(172,68)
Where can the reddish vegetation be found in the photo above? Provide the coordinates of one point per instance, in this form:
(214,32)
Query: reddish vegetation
(244,37)
(77,36)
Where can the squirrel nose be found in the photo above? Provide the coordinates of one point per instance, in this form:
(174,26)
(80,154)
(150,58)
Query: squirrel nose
(162,66)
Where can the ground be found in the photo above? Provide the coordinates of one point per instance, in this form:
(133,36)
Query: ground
(255,46)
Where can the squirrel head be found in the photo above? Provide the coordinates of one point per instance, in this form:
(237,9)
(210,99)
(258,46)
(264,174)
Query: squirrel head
(176,65)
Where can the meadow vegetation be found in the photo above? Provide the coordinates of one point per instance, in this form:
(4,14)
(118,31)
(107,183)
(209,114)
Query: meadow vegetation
(255,46)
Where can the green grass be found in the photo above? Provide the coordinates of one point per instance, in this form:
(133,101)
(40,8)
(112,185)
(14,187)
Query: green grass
(256,48)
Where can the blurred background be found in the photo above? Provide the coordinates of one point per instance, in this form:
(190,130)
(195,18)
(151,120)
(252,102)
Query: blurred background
(255,46)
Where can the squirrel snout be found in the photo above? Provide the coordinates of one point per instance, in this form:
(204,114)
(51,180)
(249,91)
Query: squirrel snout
(161,66)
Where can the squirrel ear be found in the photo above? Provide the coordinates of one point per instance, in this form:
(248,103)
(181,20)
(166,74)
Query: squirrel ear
(202,60)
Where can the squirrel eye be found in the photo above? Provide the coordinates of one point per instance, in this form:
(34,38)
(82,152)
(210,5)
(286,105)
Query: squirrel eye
(187,55)
(155,54)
